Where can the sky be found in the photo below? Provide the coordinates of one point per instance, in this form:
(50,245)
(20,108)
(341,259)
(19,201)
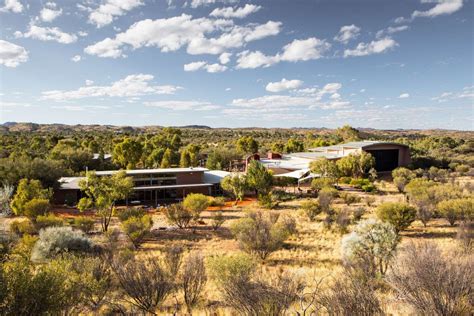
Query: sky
(383,64)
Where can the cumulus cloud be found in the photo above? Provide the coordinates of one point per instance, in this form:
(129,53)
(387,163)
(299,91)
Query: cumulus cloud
(171,34)
(12,55)
(374,47)
(48,34)
(14,6)
(224,58)
(110,9)
(130,86)
(347,33)
(442,7)
(465,93)
(198,65)
(404,96)
(298,50)
(391,30)
(283,85)
(183,105)
(76,58)
(50,12)
(199,3)
(239,13)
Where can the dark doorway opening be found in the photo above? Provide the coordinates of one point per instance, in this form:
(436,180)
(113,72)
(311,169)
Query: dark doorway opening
(385,159)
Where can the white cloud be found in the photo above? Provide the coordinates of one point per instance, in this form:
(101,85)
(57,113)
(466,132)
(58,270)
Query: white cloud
(465,93)
(171,34)
(48,34)
(89,82)
(130,86)
(347,33)
(404,96)
(110,9)
(239,13)
(198,3)
(283,85)
(76,58)
(197,65)
(12,55)
(82,33)
(442,7)
(391,30)
(298,50)
(183,105)
(50,12)
(374,47)
(224,58)
(14,6)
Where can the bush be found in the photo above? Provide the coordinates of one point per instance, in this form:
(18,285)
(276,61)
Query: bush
(369,201)
(196,203)
(36,207)
(217,219)
(50,220)
(401,177)
(21,228)
(56,240)
(370,247)
(350,198)
(343,220)
(462,169)
(325,197)
(193,280)
(400,215)
(311,209)
(217,201)
(172,260)
(261,234)
(283,196)
(84,223)
(358,213)
(465,235)
(321,183)
(434,284)
(124,214)
(137,228)
(178,215)
(456,209)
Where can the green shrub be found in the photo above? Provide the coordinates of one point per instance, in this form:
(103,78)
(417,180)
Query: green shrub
(311,209)
(224,269)
(56,240)
(325,198)
(217,219)
(137,228)
(462,169)
(345,180)
(321,183)
(196,203)
(283,196)
(20,228)
(84,223)
(217,201)
(349,198)
(369,200)
(124,214)
(50,220)
(456,209)
(178,215)
(400,215)
(36,207)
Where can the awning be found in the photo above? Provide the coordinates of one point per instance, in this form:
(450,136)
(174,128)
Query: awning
(297,174)
(310,176)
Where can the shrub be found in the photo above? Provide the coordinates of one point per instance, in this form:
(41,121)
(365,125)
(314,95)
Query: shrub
(21,228)
(350,198)
(456,209)
(369,201)
(434,284)
(217,201)
(267,200)
(400,215)
(370,247)
(84,223)
(196,203)
(50,220)
(144,282)
(358,213)
(401,177)
(178,215)
(36,207)
(193,280)
(56,240)
(325,197)
(172,260)
(462,169)
(465,235)
(217,219)
(343,220)
(283,196)
(124,214)
(26,191)
(321,183)
(137,228)
(311,209)
(261,234)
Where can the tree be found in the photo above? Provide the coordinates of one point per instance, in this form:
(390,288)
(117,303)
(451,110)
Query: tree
(102,192)
(128,153)
(355,165)
(261,234)
(370,247)
(35,208)
(236,184)
(193,280)
(325,168)
(433,283)
(400,215)
(6,193)
(348,133)
(185,160)
(247,145)
(457,209)
(167,159)
(137,228)
(419,194)
(27,191)
(401,177)
(293,146)
(259,178)
(179,215)
(196,203)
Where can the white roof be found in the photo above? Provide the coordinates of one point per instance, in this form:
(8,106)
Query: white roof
(287,162)
(297,174)
(173,186)
(70,183)
(215,176)
(150,171)
(356,145)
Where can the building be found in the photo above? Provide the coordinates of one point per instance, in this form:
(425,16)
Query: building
(388,156)
(152,186)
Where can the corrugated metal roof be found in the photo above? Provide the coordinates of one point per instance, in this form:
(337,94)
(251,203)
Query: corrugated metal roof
(356,145)
(215,176)
(152,171)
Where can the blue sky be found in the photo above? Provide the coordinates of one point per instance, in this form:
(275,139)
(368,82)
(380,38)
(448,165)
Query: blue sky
(230,63)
